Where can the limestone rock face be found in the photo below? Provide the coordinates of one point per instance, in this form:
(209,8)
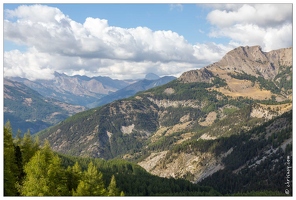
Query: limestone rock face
(249,60)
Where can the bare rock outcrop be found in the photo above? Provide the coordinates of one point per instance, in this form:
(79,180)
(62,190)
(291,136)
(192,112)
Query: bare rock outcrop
(250,60)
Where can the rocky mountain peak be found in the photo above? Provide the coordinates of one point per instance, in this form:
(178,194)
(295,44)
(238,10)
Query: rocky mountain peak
(249,60)
(253,53)
(57,74)
(255,62)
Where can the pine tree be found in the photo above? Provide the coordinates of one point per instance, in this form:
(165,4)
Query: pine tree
(18,139)
(20,174)
(91,184)
(74,174)
(28,148)
(122,194)
(10,166)
(57,178)
(112,190)
(83,189)
(44,175)
(19,157)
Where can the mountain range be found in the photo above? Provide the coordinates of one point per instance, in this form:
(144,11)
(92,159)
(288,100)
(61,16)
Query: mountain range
(90,92)
(228,119)
(38,104)
(76,90)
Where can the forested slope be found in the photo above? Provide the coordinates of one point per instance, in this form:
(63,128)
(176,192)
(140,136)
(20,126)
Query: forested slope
(27,164)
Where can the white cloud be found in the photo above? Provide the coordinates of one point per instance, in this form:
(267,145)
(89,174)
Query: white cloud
(276,38)
(211,51)
(94,38)
(267,25)
(260,14)
(57,43)
(31,65)
(36,14)
(36,65)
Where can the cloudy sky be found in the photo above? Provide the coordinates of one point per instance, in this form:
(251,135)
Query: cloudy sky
(130,40)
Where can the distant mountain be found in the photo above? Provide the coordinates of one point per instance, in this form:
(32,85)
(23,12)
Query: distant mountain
(91,91)
(152,76)
(132,89)
(225,120)
(27,109)
(77,90)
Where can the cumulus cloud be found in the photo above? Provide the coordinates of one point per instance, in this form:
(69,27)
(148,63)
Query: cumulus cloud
(58,43)
(30,65)
(36,65)
(267,25)
(56,33)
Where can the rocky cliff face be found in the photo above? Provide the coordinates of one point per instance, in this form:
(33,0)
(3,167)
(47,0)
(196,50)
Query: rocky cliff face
(253,61)
(249,60)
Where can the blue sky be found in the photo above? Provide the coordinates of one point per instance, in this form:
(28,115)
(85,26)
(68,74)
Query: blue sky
(130,40)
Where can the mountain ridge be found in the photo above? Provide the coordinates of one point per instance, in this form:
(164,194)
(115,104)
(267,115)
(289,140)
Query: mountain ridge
(90,91)
(244,59)
(79,90)
(240,62)
(158,128)
(132,89)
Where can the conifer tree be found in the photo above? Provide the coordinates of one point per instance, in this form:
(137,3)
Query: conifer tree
(74,174)
(44,175)
(122,194)
(112,190)
(18,139)
(28,148)
(10,166)
(20,174)
(83,189)
(91,184)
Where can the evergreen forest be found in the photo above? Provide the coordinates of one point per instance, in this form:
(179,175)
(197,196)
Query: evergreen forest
(32,169)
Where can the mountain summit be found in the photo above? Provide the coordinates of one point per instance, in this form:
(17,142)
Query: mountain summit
(249,60)
(240,67)
(152,76)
